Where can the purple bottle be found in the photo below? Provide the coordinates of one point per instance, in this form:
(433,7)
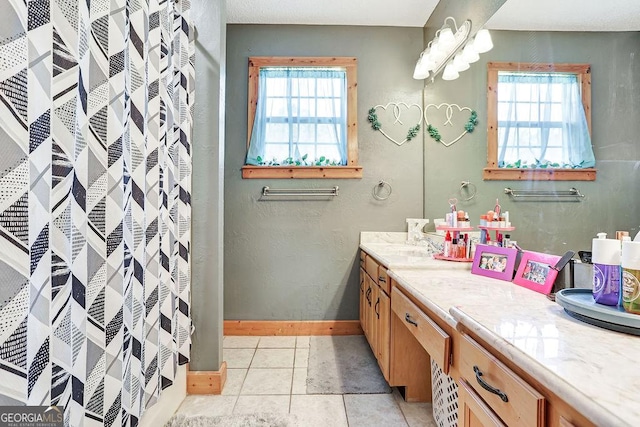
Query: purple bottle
(605,255)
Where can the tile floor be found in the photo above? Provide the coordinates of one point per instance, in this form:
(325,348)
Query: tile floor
(268,374)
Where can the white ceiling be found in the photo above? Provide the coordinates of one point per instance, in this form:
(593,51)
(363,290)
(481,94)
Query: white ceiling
(551,15)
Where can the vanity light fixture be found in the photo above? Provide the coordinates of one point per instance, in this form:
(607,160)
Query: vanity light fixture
(450,51)
(482,41)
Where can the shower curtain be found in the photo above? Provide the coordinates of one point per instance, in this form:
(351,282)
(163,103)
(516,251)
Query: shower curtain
(95,186)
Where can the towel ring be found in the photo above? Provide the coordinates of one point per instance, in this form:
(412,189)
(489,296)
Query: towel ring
(379,187)
(471,189)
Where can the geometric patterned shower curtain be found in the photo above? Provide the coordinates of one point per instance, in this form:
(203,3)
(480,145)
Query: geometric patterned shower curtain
(95,210)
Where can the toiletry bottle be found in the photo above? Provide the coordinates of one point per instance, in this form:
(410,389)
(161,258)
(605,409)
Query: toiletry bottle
(462,247)
(447,245)
(506,242)
(630,262)
(454,248)
(605,255)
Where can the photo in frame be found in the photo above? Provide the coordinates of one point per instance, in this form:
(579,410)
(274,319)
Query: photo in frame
(494,261)
(537,271)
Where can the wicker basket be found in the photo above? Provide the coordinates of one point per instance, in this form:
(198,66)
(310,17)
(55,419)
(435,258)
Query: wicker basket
(445,397)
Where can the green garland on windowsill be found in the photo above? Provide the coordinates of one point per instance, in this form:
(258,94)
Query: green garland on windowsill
(290,161)
(372,118)
(523,164)
(469,126)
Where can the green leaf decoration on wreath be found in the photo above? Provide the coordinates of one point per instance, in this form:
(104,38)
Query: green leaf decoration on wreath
(472,122)
(433,133)
(413,132)
(373,119)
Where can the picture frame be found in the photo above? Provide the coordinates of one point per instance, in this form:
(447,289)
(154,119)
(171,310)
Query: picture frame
(494,261)
(536,271)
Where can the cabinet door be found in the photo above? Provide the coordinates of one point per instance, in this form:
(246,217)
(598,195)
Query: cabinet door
(375,314)
(368,305)
(363,299)
(384,333)
(472,411)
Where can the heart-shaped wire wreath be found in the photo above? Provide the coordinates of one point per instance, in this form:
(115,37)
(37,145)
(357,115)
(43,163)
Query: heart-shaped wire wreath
(376,125)
(468,126)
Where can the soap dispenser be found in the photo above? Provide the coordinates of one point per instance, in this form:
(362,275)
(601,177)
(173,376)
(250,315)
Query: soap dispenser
(605,256)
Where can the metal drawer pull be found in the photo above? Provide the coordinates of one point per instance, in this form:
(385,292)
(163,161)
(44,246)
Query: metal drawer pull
(382,279)
(487,387)
(408,318)
(375,308)
(368,296)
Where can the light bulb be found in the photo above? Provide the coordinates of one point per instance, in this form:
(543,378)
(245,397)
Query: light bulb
(446,37)
(459,63)
(482,42)
(469,53)
(450,72)
(421,71)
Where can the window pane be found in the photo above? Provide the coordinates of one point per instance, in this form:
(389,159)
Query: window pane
(326,108)
(326,133)
(276,132)
(307,133)
(328,151)
(303,107)
(277,107)
(279,152)
(276,86)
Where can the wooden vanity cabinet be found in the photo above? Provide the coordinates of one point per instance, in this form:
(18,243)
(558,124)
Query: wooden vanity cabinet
(375,309)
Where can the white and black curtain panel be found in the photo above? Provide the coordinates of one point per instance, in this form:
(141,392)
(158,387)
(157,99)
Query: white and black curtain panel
(96,104)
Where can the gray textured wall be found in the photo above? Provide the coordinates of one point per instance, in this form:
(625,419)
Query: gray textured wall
(207,194)
(613,200)
(296,260)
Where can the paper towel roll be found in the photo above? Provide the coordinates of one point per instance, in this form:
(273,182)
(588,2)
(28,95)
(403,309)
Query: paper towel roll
(630,255)
(605,251)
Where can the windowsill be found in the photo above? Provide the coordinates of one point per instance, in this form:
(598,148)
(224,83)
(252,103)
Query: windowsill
(301,172)
(508,174)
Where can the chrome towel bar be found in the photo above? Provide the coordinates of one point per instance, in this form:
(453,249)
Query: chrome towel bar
(321,192)
(572,192)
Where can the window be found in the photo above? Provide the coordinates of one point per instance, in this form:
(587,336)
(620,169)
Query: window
(302,118)
(539,122)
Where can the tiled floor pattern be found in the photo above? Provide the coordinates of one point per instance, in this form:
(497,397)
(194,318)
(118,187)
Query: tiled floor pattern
(269,374)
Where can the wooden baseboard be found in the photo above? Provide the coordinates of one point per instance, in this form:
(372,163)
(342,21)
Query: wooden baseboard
(207,382)
(286,327)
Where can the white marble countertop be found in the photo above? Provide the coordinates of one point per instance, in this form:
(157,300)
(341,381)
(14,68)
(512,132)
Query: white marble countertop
(391,250)
(592,369)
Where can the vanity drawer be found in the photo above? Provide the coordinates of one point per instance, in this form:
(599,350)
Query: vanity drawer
(363,256)
(430,336)
(524,406)
(378,273)
(383,280)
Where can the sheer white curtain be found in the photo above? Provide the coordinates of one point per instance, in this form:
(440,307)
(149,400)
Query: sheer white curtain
(302,109)
(541,119)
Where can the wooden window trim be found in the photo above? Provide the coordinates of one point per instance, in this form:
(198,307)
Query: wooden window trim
(352,169)
(492,172)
